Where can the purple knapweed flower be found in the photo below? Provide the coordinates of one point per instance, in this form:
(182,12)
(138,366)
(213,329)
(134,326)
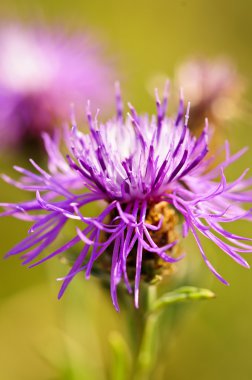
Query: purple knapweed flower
(41,73)
(214,88)
(142,168)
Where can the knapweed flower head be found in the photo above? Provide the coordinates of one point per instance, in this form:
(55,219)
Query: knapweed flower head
(41,73)
(150,172)
(214,88)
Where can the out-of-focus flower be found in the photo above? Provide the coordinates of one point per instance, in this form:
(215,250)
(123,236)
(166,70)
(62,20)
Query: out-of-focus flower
(41,73)
(150,172)
(214,88)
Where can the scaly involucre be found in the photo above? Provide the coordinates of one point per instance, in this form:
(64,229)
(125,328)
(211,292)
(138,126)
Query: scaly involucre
(130,164)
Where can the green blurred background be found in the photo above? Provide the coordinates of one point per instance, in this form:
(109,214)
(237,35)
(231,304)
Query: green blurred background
(42,338)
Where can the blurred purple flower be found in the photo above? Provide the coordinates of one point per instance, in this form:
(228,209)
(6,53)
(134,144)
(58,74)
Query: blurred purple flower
(132,164)
(41,72)
(214,88)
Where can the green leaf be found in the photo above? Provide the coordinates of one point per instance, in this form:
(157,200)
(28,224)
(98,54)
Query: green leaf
(185,293)
(121,357)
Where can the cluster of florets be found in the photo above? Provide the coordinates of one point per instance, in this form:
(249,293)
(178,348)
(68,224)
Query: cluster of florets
(132,164)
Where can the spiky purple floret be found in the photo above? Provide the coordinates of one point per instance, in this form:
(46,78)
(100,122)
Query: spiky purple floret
(130,164)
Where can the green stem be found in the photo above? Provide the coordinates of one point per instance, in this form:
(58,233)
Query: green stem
(152,296)
(145,357)
(148,345)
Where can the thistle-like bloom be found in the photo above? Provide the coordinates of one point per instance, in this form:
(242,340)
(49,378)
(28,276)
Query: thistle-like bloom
(214,88)
(41,73)
(148,171)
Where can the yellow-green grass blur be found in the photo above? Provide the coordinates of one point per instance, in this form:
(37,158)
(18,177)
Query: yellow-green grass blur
(45,339)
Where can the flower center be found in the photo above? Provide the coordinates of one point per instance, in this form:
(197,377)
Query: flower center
(153,267)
